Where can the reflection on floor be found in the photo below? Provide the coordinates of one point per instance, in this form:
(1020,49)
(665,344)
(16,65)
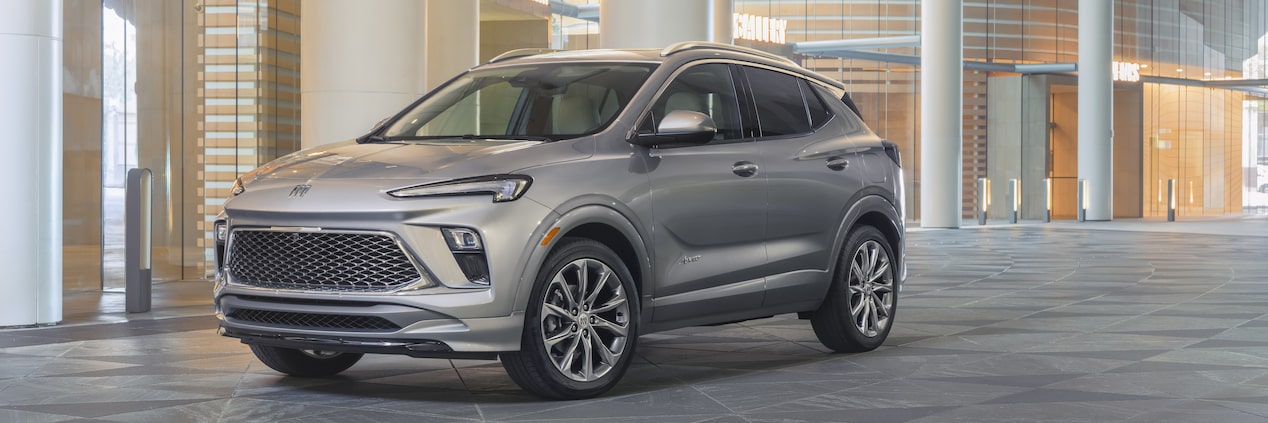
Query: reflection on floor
(1123,321)
(170,299)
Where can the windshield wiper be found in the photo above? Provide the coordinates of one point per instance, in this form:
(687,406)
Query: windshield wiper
(505,137)
(371,138)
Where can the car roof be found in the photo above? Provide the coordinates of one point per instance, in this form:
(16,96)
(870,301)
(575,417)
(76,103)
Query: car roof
(687,51)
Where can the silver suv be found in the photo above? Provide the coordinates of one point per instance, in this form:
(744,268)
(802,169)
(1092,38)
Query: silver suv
(545,209)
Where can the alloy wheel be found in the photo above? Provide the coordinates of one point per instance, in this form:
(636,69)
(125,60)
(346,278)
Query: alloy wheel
(871,289)
(585,320)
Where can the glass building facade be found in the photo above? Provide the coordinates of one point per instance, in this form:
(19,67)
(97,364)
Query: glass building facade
(201,91)
(1193,116)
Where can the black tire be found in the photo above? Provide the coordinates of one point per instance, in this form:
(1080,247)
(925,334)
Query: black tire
(304,363)
(574,329)
(859,276)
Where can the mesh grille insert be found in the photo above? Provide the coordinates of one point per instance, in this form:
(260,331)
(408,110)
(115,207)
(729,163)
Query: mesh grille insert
(309,320)
(319,261)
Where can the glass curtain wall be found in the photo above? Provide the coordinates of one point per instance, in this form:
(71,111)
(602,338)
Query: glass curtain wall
(248,102)
(573,32)
(197,91)
(1193,130)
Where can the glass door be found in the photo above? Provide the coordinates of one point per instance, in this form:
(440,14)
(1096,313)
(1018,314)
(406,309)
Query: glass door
(118,132)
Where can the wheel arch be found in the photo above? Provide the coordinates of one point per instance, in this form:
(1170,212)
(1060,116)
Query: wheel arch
(601,223)
(877,211)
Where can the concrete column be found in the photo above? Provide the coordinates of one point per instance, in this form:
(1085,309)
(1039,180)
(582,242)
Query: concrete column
(453,39)
(360,61)
(941,113)
(652,23)
(723,23)
(1096,100)
(31,115)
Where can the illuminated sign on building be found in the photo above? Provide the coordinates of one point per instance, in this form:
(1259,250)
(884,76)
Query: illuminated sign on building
(760,28)
(1126,71)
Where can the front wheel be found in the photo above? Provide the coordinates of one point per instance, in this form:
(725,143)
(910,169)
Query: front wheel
(859,310)
(581,324)
(304,363)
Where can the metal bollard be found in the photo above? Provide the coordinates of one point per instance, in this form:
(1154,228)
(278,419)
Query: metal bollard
(1171,200)
(1014,199)
(983,199)
(138,224)
(1082,200)
(1047,208)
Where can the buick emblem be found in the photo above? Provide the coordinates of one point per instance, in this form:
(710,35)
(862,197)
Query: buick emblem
(299,191)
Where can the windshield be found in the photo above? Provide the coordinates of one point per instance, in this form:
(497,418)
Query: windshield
(545,101)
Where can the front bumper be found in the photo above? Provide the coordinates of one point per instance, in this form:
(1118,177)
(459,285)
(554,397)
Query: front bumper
(450,317)
(364,326)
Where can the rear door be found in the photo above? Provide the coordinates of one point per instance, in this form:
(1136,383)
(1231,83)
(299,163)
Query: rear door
(813,170)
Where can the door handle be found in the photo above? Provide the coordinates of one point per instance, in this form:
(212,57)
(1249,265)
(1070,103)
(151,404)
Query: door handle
(745,169)
(838,163)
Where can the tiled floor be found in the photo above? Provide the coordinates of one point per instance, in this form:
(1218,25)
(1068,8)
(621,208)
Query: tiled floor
(1124,321)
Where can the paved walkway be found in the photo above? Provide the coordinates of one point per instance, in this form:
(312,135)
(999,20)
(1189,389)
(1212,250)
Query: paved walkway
(1126,321)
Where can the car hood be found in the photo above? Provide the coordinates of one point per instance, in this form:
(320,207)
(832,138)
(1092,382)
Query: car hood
(390,161)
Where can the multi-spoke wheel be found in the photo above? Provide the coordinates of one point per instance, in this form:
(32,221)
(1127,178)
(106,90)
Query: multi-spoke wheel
(859,310)
(306,363)
(581,324)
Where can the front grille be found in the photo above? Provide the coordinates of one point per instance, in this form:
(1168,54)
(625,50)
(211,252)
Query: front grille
(310,320)
(319,261)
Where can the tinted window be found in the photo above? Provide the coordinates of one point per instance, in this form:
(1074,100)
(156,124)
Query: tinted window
(780,108)
(819,112)
(706,89)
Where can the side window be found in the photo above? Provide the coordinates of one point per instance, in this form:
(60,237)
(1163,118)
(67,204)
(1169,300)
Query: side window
(706,89)
(780,108)
(851,119)
(819,112)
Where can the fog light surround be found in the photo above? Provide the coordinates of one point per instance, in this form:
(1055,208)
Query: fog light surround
(468,250)
(463,239)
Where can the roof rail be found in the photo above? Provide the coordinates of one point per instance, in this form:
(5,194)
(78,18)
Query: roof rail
(702,45)
(522,52)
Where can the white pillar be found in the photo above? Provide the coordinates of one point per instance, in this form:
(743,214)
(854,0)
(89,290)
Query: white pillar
(652,23)
(31,115)
(941,113)
(722,29)
(361,62)
(453,39)
(1096,106)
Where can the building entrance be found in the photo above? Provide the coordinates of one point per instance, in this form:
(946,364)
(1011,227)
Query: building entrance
(1033,127)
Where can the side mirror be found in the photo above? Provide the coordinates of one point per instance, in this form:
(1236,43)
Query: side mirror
(680,127)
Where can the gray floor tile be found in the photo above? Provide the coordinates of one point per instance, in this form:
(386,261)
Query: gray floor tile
(1039,323)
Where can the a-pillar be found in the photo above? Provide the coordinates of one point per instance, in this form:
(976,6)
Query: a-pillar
(653,23)
(360,62)
(31,115)
(1096,102)
(453,39)
(941,113)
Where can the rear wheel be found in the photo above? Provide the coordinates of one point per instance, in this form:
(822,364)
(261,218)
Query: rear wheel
(858,312)
(304,363)
(581,324)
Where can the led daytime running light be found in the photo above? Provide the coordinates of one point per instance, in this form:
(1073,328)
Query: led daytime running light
(502,187)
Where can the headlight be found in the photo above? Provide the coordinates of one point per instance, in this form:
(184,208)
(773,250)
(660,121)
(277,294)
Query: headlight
(501,187)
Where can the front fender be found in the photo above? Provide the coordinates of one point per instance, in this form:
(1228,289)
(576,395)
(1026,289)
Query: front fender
(578,213)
